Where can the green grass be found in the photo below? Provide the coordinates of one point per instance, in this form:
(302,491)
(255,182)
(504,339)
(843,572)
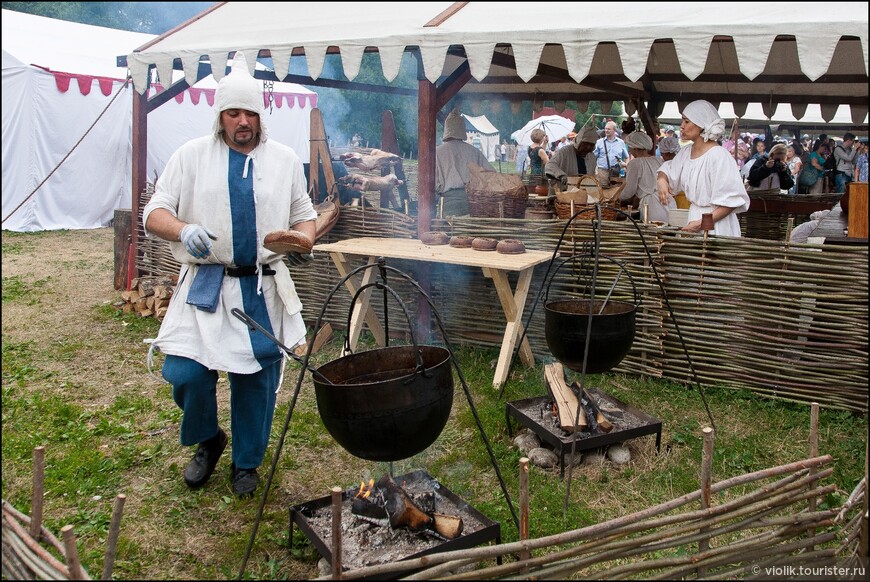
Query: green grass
(127,442)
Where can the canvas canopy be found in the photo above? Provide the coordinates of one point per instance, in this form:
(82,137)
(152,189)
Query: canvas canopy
(652,51)
(59,79)
(644,54)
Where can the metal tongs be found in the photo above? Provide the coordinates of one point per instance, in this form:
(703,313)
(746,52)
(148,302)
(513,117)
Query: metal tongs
(249,321)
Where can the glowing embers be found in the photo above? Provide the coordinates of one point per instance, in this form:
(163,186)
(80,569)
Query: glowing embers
(394,519)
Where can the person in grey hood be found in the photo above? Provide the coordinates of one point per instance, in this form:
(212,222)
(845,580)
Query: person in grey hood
(217,199)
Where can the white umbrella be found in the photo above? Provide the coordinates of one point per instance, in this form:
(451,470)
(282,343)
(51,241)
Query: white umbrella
(555,126)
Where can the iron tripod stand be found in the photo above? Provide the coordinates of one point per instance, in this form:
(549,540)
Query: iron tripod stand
(420,369)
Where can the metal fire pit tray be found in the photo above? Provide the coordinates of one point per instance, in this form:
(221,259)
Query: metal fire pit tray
(485,530)
(641,424)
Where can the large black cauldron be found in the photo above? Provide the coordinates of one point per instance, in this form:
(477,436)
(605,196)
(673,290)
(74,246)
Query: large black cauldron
(382,405)
(612,333)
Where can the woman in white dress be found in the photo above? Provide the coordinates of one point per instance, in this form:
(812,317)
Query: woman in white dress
(640,177)
(706,172)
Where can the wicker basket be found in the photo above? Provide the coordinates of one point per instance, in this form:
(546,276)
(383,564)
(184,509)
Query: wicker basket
(563,210)
(509,204)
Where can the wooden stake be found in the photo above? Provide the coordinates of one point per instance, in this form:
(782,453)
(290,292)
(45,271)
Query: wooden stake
(524,505)
(336,533)
(72,553)
(114,531)
(814,452)
(706,483)
(38,485)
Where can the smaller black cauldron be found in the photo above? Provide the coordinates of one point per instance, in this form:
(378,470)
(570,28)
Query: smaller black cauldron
(612,334)
(382,405)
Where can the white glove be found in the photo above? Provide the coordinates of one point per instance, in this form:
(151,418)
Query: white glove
(196,240)
(298,259)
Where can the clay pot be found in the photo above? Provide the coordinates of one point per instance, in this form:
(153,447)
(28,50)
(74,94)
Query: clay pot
(461,241)
(510,246)
(434,238)
(484,244)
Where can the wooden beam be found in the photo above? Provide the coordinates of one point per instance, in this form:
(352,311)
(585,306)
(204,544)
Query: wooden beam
(445,14)
(788,206)
(452,85)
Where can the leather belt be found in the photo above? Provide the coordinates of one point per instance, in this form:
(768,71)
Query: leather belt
(248,271)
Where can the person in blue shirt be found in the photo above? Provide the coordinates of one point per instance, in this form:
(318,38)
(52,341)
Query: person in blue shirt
(611,153)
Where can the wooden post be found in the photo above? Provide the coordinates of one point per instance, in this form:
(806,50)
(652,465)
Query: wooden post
(706,483)
(123,226)
(38,488)
(336,533)
(114,531)
(139,172)
(72,554)
(814,452)
(524,505)
(856,193)
(862,533)
(319,156)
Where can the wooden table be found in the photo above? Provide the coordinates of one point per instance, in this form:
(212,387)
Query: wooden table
(495,266)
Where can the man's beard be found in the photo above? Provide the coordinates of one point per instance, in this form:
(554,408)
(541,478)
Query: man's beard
(244,140)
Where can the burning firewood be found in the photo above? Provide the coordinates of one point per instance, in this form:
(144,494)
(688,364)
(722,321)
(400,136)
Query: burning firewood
(401,508)
(448,526)
(367,162)
(601,421)
(388,503)
(367,183)
(565,399)
(368,504)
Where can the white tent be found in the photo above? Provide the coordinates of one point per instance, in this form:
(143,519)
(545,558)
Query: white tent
(487,132)
(59,79)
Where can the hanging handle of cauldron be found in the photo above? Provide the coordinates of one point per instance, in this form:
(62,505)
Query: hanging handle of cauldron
(622,269)
(382,269)
(251,323)
(420,369)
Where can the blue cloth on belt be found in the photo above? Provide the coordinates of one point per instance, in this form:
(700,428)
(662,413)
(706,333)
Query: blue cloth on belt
(206,287)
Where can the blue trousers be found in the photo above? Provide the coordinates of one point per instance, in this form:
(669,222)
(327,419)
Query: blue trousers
(841,180)
(252,406)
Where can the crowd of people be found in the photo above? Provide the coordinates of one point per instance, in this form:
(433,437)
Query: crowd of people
(715,172)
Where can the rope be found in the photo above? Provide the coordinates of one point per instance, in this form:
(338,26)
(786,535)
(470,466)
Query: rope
(29,196)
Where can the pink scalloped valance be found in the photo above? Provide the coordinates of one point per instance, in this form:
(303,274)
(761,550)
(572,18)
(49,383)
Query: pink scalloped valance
(85,82)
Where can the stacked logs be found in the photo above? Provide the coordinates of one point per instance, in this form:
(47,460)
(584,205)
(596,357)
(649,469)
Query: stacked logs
(148,296)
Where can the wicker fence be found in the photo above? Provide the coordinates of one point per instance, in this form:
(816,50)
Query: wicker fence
(787,321)
(748,526)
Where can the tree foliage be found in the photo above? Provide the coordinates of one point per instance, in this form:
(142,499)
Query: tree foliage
(147,17)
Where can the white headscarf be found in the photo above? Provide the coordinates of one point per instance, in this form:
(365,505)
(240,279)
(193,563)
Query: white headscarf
(638,140)
(239,90)
(704,115)
(669,145)
(454,127)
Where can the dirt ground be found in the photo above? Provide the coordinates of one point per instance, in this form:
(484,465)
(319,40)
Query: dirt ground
(62,311)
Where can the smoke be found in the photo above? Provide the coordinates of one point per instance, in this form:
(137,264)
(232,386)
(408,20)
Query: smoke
(334,106)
